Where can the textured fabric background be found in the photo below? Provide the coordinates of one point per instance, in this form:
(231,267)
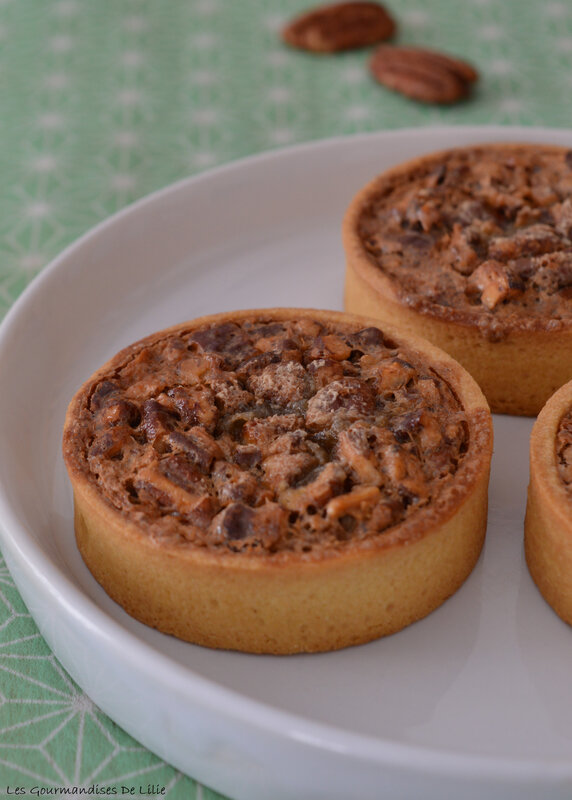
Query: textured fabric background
(103,101)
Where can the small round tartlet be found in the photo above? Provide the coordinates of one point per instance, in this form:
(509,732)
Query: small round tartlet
(472,249)
(548,521)
(279,480)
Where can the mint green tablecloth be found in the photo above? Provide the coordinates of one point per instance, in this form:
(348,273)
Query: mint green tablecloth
(102,101)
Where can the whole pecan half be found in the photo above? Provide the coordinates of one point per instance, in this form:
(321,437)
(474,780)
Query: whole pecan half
(339,26)
(420,74)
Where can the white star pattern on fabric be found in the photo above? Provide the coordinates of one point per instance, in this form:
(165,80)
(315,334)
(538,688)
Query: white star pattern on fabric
(32,262)
(511,105)
(204,41)
(203,77)
(125,139)
(357,113)
(282,135)
(279,94)
(66,8)
(135,24)
(556,10)
(57,80)
(500,66)
(123,182)
(564,44)
(204,159)
(354,75)
(61,44)
(44,163)
(273,22)
(417,17)
(130,97)
(51,121)
(278,58)
(207,7)
(205,116)
(38,210)
(490,33)
(132,58)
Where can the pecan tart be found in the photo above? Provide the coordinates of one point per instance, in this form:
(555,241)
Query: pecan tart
(472,248)
(279,481)
(548,522)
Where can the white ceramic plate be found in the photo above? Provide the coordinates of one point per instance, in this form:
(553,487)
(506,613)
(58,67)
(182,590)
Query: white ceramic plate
(472,702)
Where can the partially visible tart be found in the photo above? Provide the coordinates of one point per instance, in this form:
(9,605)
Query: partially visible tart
(548,523)
(279,480)
(472,248)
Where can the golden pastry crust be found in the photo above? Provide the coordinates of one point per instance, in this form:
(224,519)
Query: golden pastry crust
(472,249)
(279,480)
(548,522)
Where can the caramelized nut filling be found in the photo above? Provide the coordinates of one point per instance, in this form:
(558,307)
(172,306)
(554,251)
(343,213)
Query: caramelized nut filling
(264,436)
(564,450)
(486,231)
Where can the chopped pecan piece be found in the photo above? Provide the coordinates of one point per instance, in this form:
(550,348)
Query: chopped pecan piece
(233,484)
(228,340)
(531,241)
(324,371)
(281,384)
(384,514)
(495,283)
(420,426)
(422,212)
(195,406)
(461,254)
(247,456)
(360,498)
(263,432)
(119,412)
(562,215)
(178,469)
(339,403)
(110,442)
(356,451)
(429,391)
(283,470)
(174,485)
(552,272)
(193,368)
(370,338)
(404,471)
(198,445)
(157,420)
(328,482)
(229,394)
(242,527)
(389,374)
(329,347)
(103,393)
